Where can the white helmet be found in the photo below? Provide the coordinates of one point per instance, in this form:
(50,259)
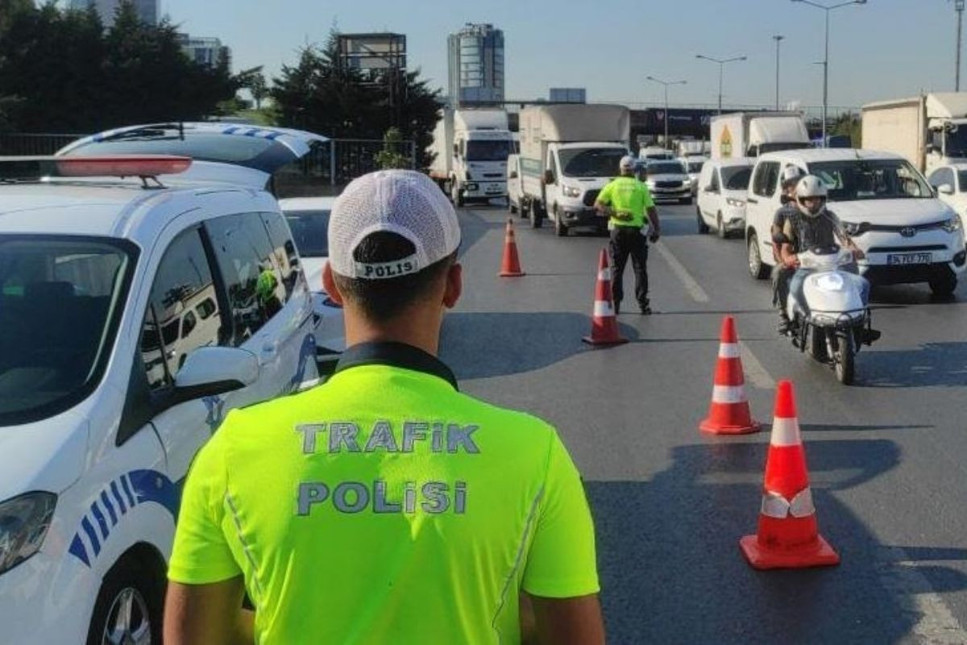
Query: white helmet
(811,186)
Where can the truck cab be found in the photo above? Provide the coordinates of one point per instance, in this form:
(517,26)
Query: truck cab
(470,148)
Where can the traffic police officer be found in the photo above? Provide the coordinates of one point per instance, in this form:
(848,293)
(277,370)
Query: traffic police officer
(385,506)
(624,200)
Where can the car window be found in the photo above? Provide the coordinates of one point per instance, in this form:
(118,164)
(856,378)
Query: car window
(665,168)
(715,186)
(60,303)
(252,278)
(962,181)
(311,232)
(284,250)
(736,177)
(182,305)
(766,179)
(859,179)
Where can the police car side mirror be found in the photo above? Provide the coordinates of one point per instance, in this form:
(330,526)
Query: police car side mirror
(210,371)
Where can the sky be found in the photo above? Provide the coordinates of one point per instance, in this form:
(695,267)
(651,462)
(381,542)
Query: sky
(881,50)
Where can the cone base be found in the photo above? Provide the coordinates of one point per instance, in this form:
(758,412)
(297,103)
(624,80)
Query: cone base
(820,554)
(713,427)
(601,343)
(510,274)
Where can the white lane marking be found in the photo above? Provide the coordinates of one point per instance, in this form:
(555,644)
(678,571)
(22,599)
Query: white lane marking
(754,371)
(691,286)
(937,624)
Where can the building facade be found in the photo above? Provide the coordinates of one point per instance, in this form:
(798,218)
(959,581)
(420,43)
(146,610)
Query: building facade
(476,65)
(147,10)
(205,51)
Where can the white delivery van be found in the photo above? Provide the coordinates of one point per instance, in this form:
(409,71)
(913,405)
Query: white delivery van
(722,190)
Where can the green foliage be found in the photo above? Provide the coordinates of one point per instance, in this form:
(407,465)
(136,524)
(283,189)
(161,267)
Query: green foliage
(67,74)
(318,95)
(393,154)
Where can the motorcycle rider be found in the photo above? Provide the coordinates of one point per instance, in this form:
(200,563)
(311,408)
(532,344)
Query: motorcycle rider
(781,274)
(813,225)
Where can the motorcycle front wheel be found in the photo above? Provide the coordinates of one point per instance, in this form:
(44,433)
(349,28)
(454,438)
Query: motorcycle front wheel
(844,358)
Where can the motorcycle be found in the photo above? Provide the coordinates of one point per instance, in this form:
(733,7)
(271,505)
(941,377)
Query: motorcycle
(829,316)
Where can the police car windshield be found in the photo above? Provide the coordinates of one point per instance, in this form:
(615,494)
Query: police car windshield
(590,162)
(865,179)
(60,304)
(310,230)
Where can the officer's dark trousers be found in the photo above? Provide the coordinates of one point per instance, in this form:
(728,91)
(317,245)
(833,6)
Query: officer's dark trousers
(628,241)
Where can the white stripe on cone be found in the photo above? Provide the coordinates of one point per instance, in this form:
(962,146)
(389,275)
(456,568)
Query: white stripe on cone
(785,432)
(603,309)
(604,275)
(775,505)
(729,350)
(728,394)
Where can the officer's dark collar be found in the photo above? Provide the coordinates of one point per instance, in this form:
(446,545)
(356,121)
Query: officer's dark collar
(399,355)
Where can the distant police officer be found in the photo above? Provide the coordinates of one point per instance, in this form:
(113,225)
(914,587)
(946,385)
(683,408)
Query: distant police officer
(385,506)
(781,274)
(625,200)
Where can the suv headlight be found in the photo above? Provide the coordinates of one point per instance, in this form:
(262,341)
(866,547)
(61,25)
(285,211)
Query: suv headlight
(853,229)
(571,191)
(24,522)
(953,224)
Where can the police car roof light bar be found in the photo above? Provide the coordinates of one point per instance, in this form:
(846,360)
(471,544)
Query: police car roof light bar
(143,166)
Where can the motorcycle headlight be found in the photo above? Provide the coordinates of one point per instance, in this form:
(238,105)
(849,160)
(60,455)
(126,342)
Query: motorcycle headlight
(571,191)
(953,224)
(24,522)
(853,229)
(738,203)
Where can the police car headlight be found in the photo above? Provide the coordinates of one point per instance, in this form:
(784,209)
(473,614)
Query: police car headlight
(953,224)
(571,191)
(24,522)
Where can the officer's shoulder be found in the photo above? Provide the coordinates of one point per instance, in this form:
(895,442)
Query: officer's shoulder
(512,419)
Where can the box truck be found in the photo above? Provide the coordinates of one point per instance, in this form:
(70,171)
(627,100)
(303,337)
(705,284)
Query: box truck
(925,129)
(471,146)
(567,155)
(749,134)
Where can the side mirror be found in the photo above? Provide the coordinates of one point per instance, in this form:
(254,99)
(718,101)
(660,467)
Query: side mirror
(210,371)
(945,189)
(513,174)
(548,177)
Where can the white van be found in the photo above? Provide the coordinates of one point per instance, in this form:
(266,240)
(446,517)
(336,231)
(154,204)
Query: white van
(134,314)
(722,189)
(886,206)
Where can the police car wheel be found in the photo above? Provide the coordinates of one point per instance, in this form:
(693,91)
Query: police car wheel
(128,607)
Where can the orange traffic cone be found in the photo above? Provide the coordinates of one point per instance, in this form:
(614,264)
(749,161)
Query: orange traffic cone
(604,324)
(788,536)
(729,412)
(510,266)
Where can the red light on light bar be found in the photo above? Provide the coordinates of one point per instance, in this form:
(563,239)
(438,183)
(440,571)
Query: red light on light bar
(122,166)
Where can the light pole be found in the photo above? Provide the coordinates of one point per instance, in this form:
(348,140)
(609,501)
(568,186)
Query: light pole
(827,9)
(778,40)
(721,63)
(666,84)
(959,8)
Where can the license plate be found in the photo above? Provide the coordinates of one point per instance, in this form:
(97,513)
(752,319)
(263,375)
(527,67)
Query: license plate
(493,188)
(909,258)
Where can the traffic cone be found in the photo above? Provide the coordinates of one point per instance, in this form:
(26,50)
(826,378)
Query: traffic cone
(510,266)
(604,324)
(729,412)
(788,536)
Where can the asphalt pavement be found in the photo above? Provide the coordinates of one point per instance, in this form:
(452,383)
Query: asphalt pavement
(886,455)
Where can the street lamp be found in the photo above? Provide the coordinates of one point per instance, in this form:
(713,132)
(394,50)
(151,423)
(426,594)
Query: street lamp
(778,40)
(721,63)
(959,8)
(666,84)
(827,9)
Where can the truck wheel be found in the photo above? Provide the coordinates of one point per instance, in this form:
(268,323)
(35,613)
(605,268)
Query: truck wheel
(536,214)
(560,229)
(720,227)
(455,195)
(757,268)
(128,607)
(702,226)
(510,206)
(943,284)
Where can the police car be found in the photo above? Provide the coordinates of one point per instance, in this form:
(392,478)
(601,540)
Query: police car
(130,323)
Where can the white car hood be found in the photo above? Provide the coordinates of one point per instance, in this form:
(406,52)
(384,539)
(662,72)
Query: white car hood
(653,178)
(586,183)
(47,455)
(892,212)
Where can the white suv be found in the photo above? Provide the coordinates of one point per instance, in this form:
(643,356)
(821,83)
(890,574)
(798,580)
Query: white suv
(886,206)
(133,315)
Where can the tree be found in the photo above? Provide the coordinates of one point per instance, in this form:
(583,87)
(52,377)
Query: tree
(392,155)
(259,89)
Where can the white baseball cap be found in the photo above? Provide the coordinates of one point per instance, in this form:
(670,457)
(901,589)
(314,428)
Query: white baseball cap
(404,202)
(627,163)
(791,174)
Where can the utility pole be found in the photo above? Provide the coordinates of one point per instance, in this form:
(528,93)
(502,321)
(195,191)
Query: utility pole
(666,84)
(959,8)
(778,40)
(721,63)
